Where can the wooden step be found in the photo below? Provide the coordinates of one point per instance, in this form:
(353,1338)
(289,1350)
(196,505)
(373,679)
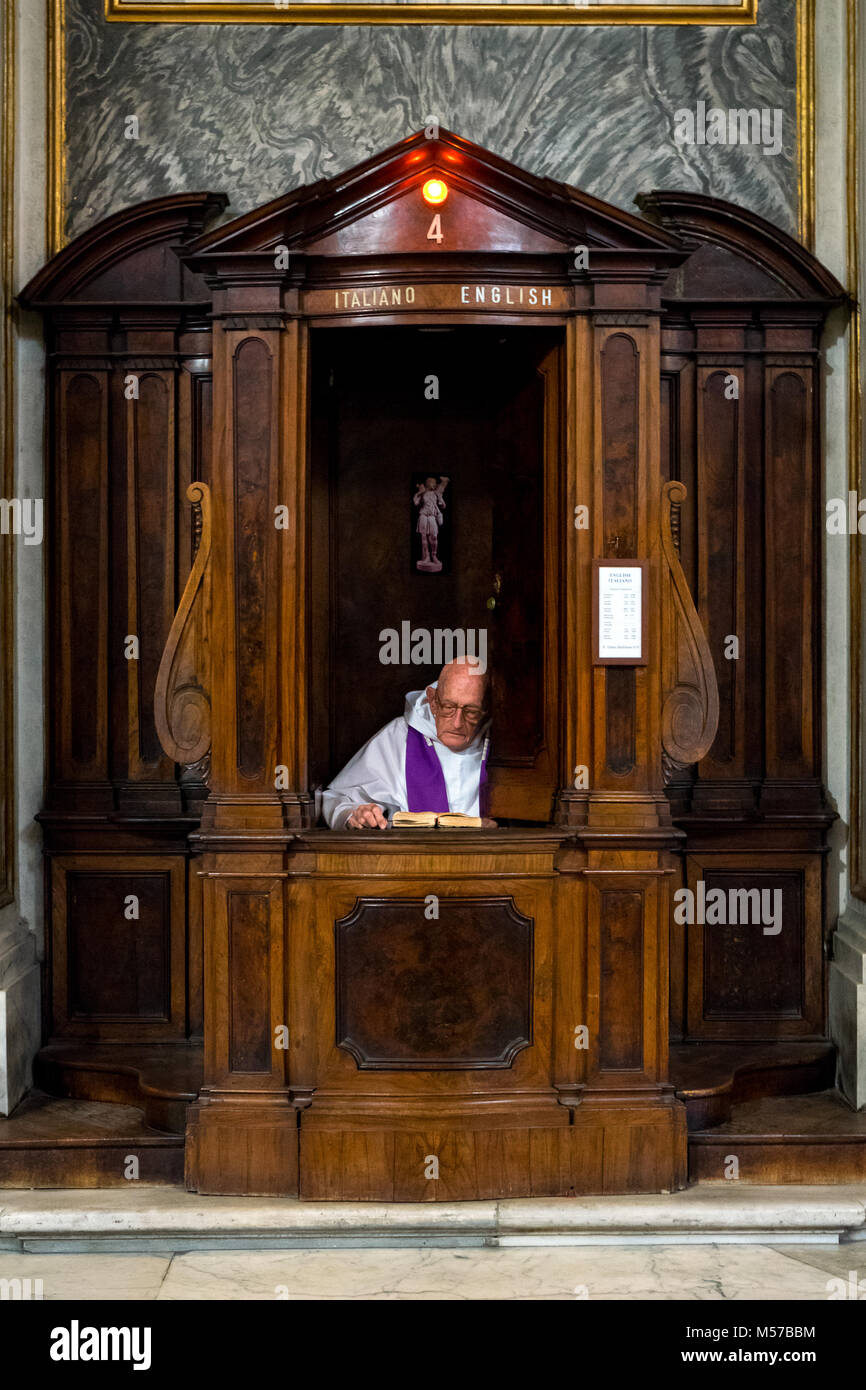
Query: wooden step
(48,1142)
(711,1078)
(808,1139)
(160,1080)
(771,1105)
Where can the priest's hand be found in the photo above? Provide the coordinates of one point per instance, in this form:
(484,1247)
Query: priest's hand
(488,824)
(367,817)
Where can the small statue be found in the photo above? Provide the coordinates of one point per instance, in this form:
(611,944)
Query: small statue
(429,497)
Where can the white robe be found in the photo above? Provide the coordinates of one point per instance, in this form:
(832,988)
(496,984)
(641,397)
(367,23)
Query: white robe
(378,771)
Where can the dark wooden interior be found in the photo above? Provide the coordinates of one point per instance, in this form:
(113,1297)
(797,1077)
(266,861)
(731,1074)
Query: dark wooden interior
(182,353)
(372,432)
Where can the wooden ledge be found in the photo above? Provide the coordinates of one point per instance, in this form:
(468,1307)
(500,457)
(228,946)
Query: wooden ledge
(713,1077)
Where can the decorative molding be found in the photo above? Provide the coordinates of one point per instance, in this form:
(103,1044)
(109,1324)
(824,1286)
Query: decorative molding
(56,200)
(690,714)
(269,12)
(7,457)
(253,320)
(182,708)
(623,320)
(806,121)
(857,877)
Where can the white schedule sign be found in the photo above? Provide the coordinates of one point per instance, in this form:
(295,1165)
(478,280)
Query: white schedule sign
(619,613)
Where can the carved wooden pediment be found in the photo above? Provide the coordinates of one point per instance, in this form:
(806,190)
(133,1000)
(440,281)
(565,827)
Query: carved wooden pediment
(738,255)
(375,209)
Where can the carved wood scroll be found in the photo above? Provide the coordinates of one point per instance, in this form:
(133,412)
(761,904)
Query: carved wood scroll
(690,713)
(182,707)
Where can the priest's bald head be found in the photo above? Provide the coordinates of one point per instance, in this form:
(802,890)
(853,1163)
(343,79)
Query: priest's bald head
(459,702)
(433,757)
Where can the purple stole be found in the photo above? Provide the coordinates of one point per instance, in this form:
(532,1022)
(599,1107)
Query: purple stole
(425,780)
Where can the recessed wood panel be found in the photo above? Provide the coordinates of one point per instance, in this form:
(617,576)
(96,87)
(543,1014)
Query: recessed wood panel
(620,1044)
(150,550)
(719,463)
(744,983)
(118,968)
(117,976)
(619,414)
(748,974)
(250,976)
(620,440)
(790,530)
(440,994)
(82,575)
(254,524)
(620,691)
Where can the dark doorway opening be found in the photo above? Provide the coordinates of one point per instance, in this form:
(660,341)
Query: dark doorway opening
(480,408)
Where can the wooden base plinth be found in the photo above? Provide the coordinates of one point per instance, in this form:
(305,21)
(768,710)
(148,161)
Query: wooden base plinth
(433,1162)
(590,1151)
(242,1148)
(629,1149)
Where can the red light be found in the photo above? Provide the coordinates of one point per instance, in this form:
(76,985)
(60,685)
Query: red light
(435,192)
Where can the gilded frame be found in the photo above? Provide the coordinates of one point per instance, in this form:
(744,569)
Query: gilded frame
(373,12)
(7,453)
(857,608)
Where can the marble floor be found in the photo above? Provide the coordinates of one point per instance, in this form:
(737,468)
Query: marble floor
(659,1272)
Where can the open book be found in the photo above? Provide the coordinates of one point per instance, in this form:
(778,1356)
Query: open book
(445,820)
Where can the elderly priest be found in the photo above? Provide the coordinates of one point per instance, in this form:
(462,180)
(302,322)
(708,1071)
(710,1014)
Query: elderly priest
(433,757)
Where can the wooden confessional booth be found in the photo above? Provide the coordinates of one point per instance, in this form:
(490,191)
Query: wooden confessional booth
(238,418)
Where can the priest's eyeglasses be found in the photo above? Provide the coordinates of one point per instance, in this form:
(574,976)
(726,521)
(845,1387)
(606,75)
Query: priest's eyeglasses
(473,714)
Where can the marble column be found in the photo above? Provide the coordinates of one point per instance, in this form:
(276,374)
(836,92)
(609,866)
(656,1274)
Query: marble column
(24,184)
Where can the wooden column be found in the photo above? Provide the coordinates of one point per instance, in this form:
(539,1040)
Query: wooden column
(242,1132)
(614,728)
